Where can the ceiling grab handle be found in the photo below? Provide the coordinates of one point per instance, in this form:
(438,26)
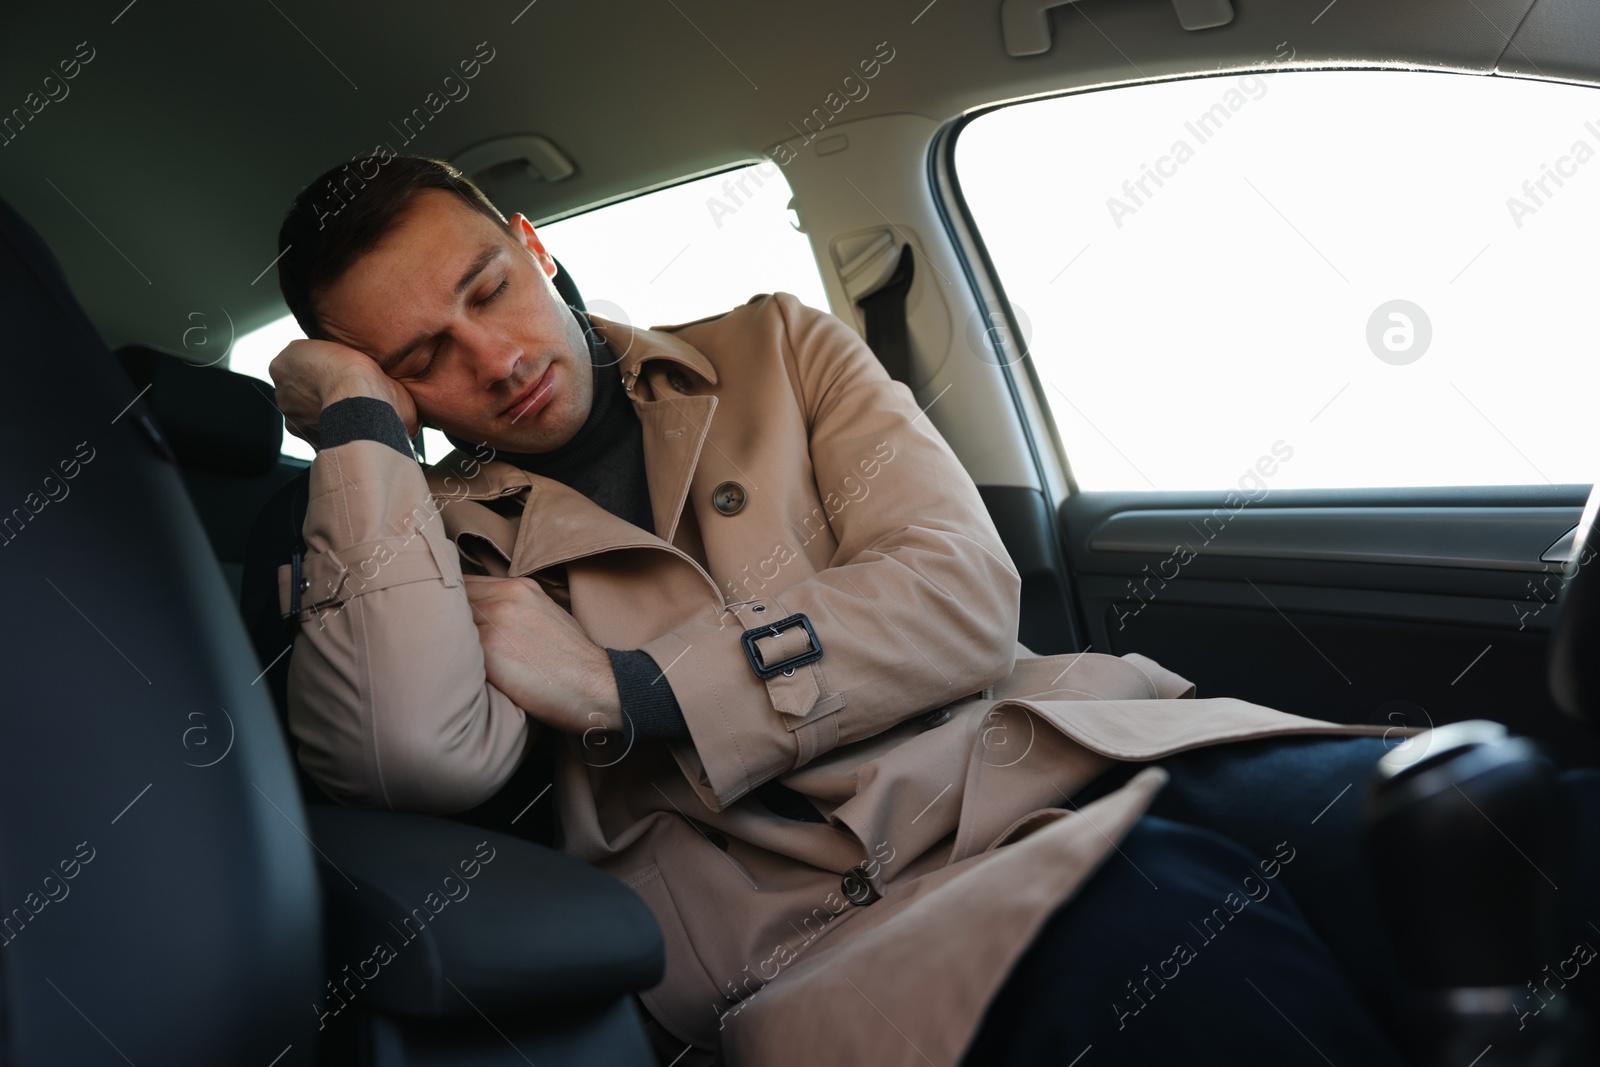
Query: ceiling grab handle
(1026,23)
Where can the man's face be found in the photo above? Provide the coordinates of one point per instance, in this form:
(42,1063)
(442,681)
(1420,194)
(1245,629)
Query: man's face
(466,319)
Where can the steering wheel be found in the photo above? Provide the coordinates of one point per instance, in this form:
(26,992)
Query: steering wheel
(1575,646)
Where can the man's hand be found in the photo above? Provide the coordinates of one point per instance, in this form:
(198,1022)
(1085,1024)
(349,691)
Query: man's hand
(310,375)
(539,656)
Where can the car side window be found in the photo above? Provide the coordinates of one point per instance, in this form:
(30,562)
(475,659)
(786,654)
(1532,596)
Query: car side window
(691,250)
(673,255)
(1364,278)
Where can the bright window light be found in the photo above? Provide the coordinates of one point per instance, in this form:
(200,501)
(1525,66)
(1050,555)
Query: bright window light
(688,251)
(1389,273)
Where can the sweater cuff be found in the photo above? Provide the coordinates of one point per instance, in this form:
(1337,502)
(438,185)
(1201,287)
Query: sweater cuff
(363,418)
(648,703)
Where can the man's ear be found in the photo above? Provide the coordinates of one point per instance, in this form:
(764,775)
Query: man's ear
(523,232)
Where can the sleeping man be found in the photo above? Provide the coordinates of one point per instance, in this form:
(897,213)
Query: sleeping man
(731,578)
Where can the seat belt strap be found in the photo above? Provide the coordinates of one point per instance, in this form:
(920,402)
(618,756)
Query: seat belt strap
(888,334)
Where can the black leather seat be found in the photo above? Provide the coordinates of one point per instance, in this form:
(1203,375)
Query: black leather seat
(160,899)
(226,434)
(178,910)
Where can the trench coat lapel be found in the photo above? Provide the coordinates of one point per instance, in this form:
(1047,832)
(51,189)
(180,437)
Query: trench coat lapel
(675,426)
(560,524)
(633,348)
(675,430)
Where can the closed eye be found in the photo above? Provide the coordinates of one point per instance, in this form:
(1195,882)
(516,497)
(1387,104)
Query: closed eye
(426,367)
(500,289)
(433,356)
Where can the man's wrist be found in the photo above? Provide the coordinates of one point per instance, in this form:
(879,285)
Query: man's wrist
(649,708)
(610,696)
(356,418)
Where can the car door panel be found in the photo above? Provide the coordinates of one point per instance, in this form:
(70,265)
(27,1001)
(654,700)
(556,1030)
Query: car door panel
(1411,607)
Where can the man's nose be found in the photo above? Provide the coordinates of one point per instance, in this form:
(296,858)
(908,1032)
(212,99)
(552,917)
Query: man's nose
(493,356)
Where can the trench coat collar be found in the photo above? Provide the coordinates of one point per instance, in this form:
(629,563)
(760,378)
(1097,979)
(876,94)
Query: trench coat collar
(634,347)
(675,424)
(567,525)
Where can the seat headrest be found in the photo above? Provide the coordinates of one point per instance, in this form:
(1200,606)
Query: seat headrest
(567,287)
(217,420)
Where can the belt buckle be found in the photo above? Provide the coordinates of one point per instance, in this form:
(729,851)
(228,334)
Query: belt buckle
(786,666)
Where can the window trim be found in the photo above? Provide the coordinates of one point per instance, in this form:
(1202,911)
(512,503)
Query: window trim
(983,280)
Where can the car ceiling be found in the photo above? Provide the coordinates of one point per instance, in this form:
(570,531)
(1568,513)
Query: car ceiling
(160,179)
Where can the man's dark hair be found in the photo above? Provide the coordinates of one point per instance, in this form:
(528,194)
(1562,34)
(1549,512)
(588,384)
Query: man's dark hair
(343,215)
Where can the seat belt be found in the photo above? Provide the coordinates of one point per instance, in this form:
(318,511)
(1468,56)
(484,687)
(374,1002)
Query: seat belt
(888,334)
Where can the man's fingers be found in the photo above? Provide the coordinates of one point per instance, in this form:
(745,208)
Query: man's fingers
(486,580)
(485,588)
(480,587)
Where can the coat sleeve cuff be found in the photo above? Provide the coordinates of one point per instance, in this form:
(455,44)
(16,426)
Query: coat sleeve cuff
(648,703)
(745,730)
(366,418)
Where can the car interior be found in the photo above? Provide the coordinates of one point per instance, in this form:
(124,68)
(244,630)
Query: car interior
(1100,241)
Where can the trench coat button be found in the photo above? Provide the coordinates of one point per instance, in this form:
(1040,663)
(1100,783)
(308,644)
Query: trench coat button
(937,717)
(728,498)
(678,380)
(856,888)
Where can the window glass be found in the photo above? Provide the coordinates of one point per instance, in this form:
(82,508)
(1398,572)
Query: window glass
(251,353)
(688,251)
(1370,278)
(674,255)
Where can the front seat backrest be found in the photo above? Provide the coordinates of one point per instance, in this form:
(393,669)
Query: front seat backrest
(160,901)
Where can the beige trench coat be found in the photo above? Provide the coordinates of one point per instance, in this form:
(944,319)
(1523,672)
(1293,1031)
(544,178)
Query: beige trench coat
(857,515)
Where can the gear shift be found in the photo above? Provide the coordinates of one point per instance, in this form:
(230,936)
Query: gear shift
(1467,833)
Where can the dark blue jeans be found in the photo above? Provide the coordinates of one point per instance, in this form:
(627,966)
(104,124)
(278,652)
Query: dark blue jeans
(1238,922)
